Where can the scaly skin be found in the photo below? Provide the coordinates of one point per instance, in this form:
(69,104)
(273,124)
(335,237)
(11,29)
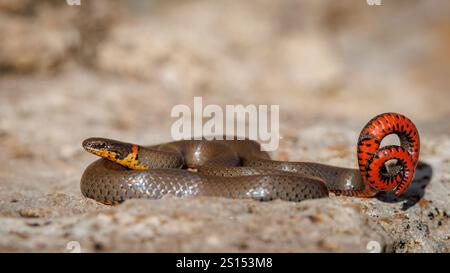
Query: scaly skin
(239,169)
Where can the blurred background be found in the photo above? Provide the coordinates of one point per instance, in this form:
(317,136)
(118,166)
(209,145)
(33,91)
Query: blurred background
(116,68)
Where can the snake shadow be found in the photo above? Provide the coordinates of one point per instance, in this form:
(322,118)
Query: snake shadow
(416,189)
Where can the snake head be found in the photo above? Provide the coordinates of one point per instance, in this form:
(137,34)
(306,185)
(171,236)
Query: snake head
(125,154)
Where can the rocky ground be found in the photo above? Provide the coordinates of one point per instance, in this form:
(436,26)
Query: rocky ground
(116,70)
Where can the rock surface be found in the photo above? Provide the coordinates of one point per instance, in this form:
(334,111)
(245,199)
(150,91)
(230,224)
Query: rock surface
(117,70)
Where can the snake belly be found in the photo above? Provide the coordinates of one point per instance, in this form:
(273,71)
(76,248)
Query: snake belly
(239,169)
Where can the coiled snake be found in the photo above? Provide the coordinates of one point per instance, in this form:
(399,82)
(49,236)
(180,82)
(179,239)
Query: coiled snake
(239,169)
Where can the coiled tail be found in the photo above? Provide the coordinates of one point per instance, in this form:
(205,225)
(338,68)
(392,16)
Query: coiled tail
(372,159)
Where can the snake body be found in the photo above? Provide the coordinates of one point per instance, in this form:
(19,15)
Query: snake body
(239,169)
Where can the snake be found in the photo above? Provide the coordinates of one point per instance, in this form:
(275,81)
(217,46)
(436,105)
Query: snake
(238,168)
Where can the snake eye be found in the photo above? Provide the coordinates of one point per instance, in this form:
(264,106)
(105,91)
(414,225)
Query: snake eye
(98,146)
(101,146)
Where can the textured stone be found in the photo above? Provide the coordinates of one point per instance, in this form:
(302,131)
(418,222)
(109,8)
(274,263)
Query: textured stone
(329,72)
